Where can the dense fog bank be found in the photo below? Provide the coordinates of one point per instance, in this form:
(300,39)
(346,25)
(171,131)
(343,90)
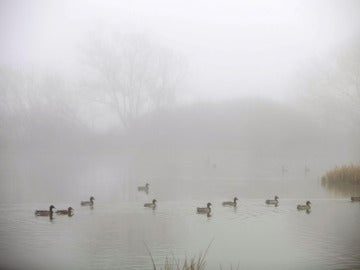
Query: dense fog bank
(259,126)
(239,138)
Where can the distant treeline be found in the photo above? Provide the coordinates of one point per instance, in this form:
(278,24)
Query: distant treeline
(250,127)
(342,175)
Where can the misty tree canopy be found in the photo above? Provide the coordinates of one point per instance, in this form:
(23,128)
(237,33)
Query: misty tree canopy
(333,88)
(349,66)
(132,75)
(27,98)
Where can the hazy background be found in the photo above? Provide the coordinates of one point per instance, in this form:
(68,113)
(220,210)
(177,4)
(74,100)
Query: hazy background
(204,100)
(171,87)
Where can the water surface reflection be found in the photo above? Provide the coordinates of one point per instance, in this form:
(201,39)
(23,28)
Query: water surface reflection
(111,234)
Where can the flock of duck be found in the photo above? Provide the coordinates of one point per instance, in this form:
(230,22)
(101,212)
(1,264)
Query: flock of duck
(64,212)
(199,210)
(275,202)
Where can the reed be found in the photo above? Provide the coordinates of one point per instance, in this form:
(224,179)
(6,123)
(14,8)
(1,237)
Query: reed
(195,263)
(346,174)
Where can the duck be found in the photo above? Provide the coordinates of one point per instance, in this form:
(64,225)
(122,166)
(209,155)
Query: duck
(204,210)
(307,206)
(45,213)
(230,203)
(355,199)
(151,205)
(85,203)
(144,188)
(65,211)
(275,201)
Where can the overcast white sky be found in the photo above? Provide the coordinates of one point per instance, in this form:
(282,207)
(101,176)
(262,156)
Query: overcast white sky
(234,48)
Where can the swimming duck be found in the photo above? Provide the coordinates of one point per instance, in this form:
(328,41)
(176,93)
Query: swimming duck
(304,207)
(144,188)
(275,201)
(204,210)
(151,205)
(355,199)
(230,203)
(45,213)
(85,203)
(65,211)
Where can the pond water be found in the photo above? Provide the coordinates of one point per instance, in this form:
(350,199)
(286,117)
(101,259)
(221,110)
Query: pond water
(114,233)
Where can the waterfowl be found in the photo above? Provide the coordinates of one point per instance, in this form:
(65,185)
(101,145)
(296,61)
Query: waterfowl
(204,210)
(45,213)
(85,203)
(355,199)
(151,205)
(230,203)
(304,207)
(275,201)
(65,211)
(144,188)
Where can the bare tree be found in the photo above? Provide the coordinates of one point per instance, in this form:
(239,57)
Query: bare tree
(135,74)
(332,88)
(349,72)
(29,99)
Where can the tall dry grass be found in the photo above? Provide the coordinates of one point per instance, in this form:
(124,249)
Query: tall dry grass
(346,174)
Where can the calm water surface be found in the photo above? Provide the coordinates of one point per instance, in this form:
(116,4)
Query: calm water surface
(113,233)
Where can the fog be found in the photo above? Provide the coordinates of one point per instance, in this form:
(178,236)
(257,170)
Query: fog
(198,98)
(251,86)
(233,49)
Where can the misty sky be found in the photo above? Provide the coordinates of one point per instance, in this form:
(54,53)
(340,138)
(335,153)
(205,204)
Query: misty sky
(233,48)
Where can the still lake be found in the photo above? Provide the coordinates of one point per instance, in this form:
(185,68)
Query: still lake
(113,234)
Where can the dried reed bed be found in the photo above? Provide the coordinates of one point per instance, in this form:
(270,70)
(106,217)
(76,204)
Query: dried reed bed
(346,174)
